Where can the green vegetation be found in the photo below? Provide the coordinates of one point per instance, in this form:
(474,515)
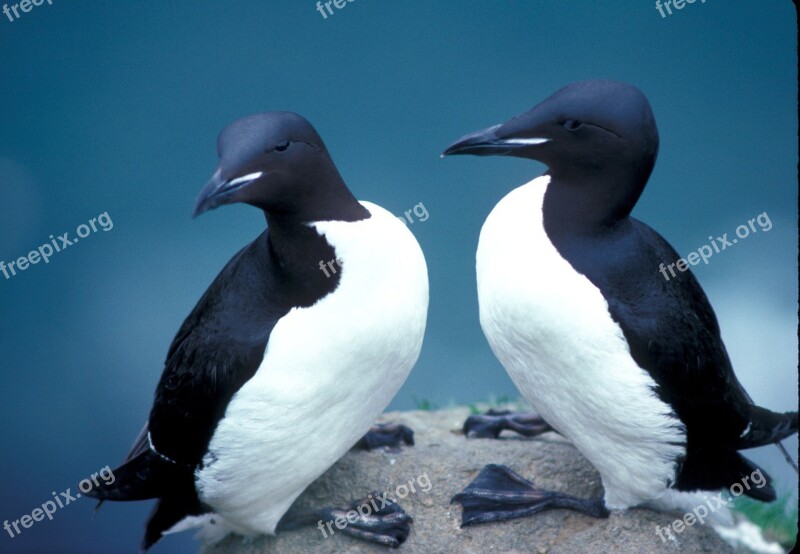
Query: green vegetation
(778,519)
(424,404)
(503,402)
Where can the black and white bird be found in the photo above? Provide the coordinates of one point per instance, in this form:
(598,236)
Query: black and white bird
(288,357)
(628,366)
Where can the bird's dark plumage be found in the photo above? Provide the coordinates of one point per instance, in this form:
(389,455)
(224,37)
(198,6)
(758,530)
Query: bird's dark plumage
(222,342)
(599,140)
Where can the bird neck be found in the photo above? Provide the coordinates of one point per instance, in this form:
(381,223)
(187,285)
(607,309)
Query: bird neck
(295,251)
(586,206)
(311,201)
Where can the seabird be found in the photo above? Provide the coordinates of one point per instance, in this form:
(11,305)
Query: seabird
(281,367)
(629,367)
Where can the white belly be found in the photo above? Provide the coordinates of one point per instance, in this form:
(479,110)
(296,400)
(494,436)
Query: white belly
(329,371)
(550,328)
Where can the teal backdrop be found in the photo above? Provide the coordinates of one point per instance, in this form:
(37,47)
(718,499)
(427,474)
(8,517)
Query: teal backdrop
(114,108)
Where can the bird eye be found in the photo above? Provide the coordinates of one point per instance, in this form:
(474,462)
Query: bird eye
(572,124)
(281,146)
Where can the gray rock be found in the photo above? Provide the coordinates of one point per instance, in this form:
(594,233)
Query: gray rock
(450,462)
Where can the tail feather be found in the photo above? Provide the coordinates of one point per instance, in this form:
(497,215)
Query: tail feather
(762,489)
(140,478)
(714,470)
(169,511)
(767,427)
(146,476)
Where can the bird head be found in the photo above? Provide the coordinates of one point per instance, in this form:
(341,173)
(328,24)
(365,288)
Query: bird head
(275,161)
(585,127)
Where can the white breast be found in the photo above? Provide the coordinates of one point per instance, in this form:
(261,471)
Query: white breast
(329,371)
(550,328)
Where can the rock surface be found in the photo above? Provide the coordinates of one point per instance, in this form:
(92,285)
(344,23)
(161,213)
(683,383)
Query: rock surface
(451,462)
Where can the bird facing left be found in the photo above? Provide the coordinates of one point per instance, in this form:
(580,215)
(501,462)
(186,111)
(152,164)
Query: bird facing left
(281,367)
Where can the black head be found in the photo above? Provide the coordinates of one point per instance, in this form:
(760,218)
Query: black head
(586,128)
(599,141)
(276,161)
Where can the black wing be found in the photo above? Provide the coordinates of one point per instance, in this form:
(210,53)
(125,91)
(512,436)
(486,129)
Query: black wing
(217,349)
(673,334)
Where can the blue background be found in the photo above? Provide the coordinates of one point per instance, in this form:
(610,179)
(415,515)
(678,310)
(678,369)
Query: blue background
(116,107)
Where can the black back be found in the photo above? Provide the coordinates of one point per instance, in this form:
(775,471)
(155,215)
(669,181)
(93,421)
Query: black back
(222,342)
(599,140)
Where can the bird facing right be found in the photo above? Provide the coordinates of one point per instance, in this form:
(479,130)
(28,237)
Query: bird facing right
(628,366)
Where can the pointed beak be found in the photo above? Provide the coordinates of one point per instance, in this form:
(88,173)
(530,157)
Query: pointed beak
(220,191)
(498,140)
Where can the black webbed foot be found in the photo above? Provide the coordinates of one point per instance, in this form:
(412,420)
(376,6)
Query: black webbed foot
(386,434)
(499,494)
(374,518)
(492,423)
